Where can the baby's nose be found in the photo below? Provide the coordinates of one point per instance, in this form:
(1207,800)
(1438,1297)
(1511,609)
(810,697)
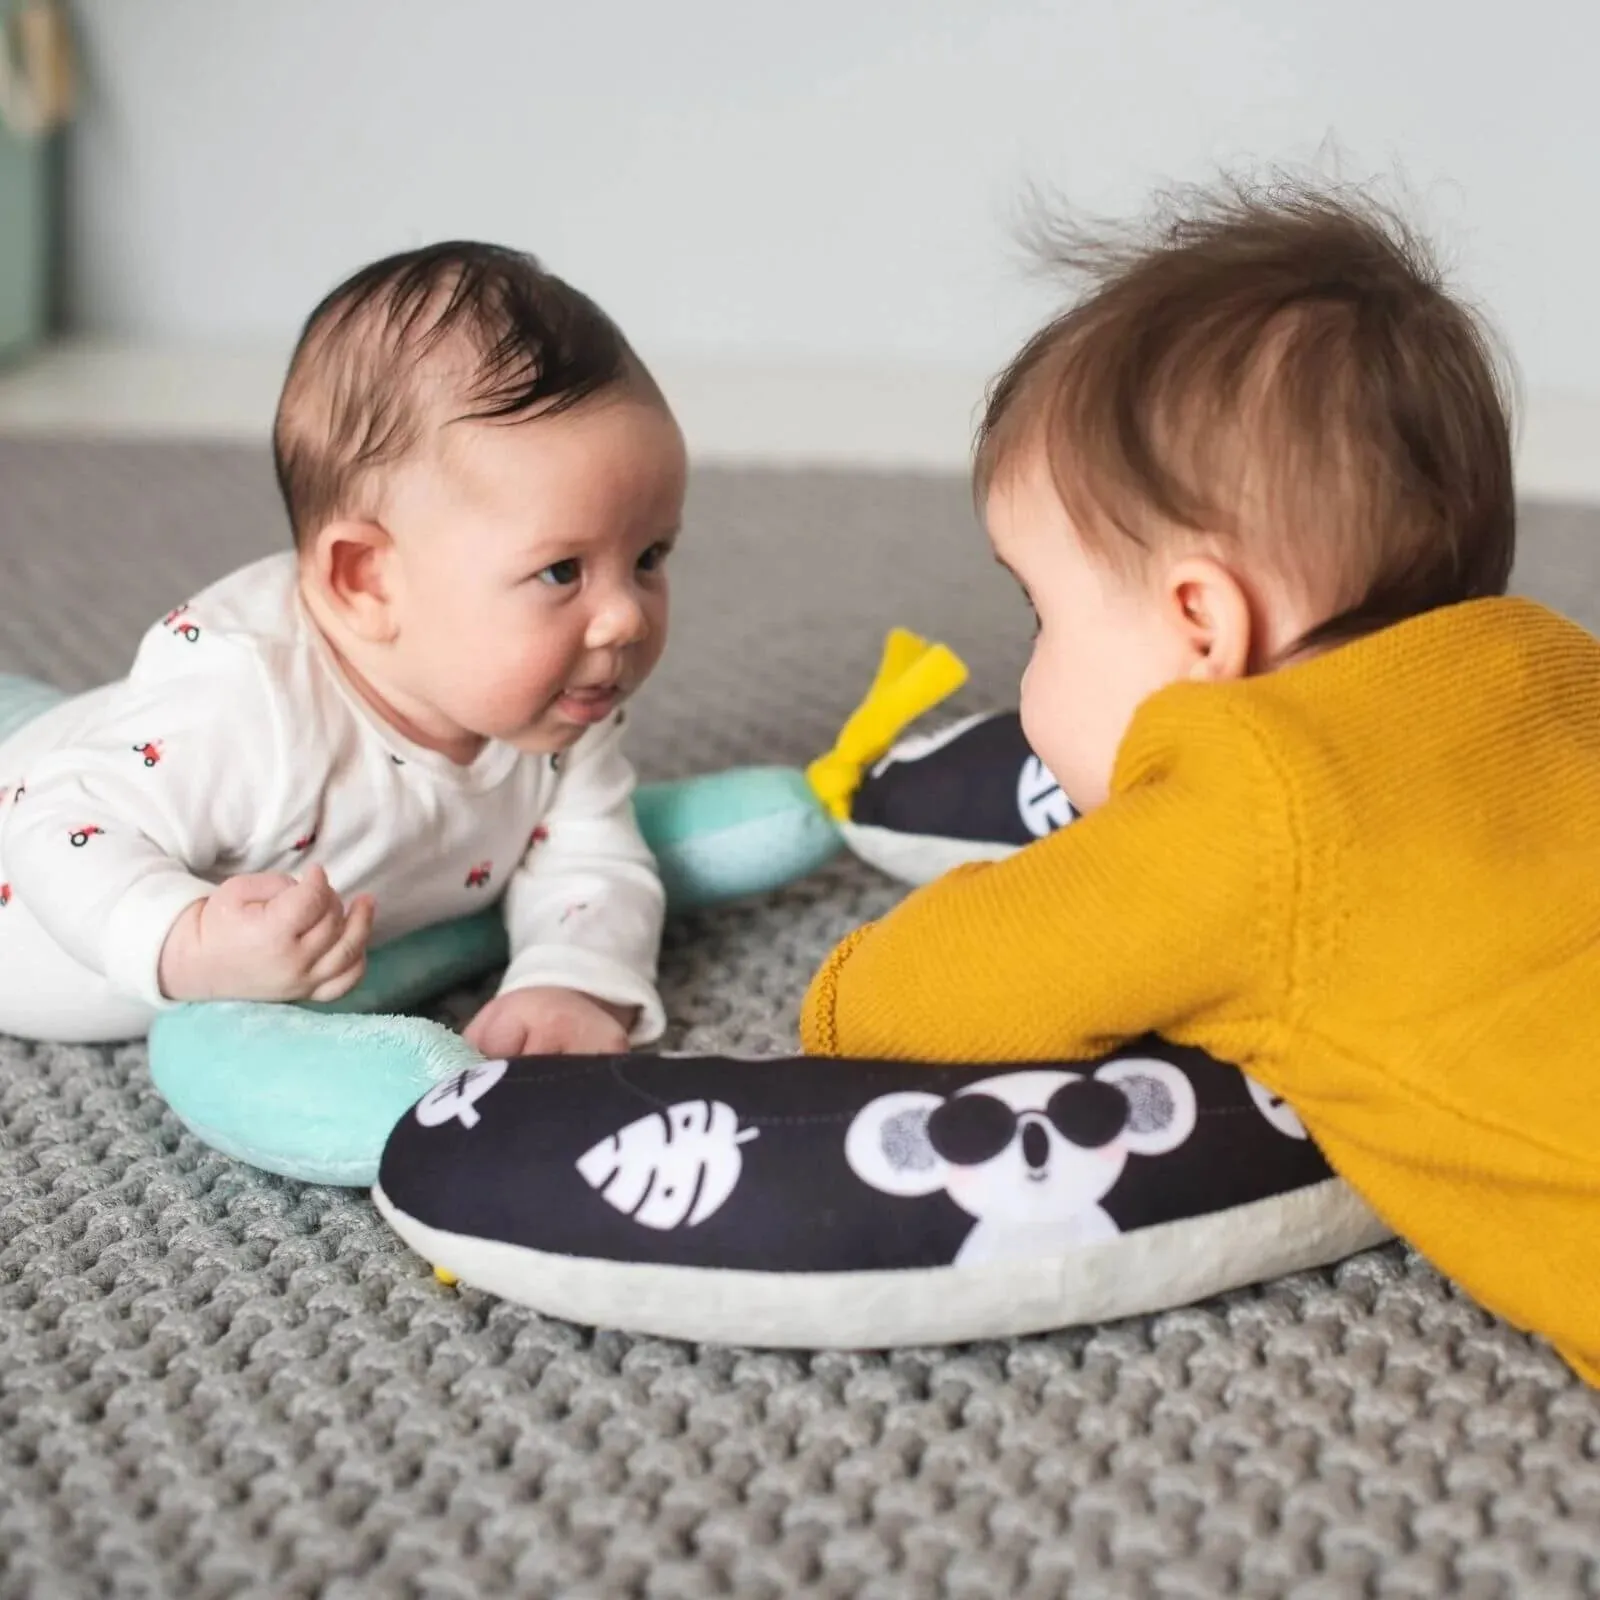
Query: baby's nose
(620,621)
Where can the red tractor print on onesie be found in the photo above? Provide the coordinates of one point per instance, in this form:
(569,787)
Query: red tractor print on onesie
(538,836)
(304,842)
(174,623)
(151,752)
(81,836)
(478,876)
(5,895)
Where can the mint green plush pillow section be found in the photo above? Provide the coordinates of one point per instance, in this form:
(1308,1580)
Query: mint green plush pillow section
(305,1096)
(730,834)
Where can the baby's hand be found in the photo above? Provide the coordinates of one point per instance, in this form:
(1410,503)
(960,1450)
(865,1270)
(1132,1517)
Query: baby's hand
(554,1022)
(264,936)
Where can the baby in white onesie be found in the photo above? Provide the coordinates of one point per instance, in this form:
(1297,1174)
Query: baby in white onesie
(415,712)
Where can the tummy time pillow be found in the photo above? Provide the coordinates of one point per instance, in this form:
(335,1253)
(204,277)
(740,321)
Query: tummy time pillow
(812,1202)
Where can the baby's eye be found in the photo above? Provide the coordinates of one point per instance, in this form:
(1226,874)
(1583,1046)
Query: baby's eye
(654,556)
(559,574)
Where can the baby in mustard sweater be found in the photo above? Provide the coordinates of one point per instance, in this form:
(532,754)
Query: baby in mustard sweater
(1342,796)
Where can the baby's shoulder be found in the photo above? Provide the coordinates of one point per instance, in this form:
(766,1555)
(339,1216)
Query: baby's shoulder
(256,606)
(1213,735)
(239,635)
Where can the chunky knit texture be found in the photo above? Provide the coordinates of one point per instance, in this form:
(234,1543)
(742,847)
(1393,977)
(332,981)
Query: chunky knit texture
(219,1385)
(1374,881)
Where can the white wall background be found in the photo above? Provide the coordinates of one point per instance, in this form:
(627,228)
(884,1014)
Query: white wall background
(829,185)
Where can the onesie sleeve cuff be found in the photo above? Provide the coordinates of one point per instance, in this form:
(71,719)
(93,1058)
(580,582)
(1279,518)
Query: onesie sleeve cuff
(138,927)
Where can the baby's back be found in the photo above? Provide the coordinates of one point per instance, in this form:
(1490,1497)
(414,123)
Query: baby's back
(1446,1007)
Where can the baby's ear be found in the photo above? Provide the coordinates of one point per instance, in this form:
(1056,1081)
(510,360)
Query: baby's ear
(1210,611)
(347,563)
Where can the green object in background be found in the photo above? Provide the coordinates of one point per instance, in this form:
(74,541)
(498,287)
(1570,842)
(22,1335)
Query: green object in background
(24,241)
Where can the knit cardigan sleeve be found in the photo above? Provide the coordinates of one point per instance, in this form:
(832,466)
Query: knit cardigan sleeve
(1168,907)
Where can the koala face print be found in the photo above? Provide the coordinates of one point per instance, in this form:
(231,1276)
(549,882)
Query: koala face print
(1024,1152)
(1030,1146)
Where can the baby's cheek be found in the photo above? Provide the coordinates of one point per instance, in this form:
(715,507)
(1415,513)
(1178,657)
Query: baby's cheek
(649,653)
(500,689)
(535,662)
(1047,723)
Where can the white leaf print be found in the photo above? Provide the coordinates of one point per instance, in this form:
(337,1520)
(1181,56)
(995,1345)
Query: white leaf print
(671,1168)
(457,1097)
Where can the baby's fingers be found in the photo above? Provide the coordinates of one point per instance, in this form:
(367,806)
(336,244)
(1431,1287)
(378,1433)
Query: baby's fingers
(496,1032)
(299,910)
(336,988)
(363,912)
(311,947)
(348,949)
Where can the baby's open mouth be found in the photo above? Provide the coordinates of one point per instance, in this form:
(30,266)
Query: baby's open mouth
(592,702)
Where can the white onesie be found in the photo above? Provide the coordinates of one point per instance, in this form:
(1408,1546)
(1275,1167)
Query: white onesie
(236,745)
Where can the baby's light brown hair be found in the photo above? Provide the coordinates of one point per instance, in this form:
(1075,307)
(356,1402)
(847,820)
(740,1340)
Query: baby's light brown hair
(452,332)
(1280,368)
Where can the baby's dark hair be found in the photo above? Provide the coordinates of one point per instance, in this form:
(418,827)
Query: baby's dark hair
(1283,369)
(452,332)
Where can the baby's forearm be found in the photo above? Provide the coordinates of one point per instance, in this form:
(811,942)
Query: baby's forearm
(105,894)
(1067,949)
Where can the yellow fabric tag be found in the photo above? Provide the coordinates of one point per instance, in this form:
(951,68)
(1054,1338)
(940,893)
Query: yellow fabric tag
(913,677)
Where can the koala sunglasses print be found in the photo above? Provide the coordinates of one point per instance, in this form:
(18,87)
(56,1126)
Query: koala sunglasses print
(973,1126)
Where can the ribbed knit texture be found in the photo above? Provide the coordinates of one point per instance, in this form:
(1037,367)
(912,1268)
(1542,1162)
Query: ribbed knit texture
(1373,880)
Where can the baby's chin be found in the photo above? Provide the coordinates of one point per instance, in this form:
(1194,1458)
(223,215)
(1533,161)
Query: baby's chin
(543,742)
(558,726)
(547,737)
